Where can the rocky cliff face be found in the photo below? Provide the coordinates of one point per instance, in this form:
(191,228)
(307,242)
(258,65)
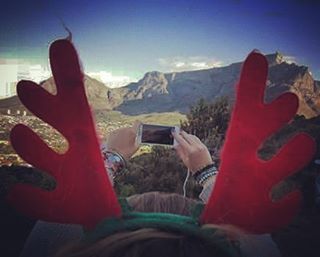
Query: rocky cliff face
(166,92)
(153,83)
(297,79)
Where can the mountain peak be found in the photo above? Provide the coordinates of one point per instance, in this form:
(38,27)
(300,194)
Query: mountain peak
(275,58)
(153,73)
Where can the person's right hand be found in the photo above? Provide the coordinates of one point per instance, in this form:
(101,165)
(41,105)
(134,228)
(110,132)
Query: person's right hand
(193,153)
(123,140)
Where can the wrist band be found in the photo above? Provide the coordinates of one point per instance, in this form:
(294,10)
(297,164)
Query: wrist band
(203,174)
(198,172)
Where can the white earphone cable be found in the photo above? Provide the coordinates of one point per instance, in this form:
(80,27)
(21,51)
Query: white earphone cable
(185,183)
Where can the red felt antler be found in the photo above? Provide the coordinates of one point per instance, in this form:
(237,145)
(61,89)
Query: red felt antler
(242,192)
(84,194)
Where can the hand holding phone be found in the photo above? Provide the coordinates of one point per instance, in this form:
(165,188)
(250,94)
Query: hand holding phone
(156,134)
(123,140)
(193,153)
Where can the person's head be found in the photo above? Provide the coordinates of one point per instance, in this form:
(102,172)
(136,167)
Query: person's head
(157,242)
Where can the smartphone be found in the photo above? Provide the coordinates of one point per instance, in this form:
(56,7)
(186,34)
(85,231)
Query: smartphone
(156,134)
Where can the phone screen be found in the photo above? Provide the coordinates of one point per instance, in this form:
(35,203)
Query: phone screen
(156,134)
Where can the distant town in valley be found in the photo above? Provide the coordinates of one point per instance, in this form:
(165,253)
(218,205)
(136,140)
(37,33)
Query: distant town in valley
(46,132)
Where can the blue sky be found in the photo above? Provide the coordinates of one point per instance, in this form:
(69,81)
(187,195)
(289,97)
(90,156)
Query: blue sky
(133,37)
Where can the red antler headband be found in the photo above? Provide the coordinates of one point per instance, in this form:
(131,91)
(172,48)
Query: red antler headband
(84,194)
(242,194)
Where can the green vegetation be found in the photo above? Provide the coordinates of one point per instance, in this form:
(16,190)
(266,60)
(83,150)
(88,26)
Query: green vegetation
(10,175)
(159,170)
(165,118)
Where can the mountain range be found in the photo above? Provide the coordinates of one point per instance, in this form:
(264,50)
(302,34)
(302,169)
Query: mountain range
(177,91)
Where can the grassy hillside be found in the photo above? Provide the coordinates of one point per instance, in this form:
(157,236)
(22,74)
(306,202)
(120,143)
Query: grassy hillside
(165,118)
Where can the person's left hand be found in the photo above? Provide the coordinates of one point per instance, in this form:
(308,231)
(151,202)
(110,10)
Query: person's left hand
(123,140)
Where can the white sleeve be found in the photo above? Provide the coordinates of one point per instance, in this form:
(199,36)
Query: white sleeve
(207,189)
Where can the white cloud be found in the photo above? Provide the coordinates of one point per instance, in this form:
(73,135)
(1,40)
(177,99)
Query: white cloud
(188,63)
(200,65)
(290,59)
(179,64)
(110,80)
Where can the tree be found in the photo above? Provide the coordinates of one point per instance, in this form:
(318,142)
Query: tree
(209,121)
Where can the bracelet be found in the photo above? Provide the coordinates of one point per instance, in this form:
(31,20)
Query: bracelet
(202,175)
(204,179)
(114,162)
(205,168)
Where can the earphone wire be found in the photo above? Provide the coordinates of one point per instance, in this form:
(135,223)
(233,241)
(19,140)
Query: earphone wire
(185,184)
